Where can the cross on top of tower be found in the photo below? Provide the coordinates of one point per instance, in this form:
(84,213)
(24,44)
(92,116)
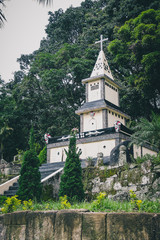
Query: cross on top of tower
(101,42)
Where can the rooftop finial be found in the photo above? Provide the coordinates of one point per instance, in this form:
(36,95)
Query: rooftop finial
(101,41)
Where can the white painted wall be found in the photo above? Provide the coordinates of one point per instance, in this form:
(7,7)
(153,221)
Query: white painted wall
(148,151)
(88,150)
(91,149)
(92,123)
(111,95)
(137,151)
(58,154)
(95,94)
(112,118)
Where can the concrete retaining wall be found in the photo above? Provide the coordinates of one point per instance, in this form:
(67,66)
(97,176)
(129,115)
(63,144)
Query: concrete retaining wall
(79,225)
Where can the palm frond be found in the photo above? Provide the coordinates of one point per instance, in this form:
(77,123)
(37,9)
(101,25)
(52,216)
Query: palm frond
(147,132)
(46,2)
(2,17)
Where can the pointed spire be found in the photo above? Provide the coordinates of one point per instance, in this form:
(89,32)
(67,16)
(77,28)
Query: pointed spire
(101,66)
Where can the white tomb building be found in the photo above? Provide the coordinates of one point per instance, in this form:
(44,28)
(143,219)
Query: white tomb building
(98,115)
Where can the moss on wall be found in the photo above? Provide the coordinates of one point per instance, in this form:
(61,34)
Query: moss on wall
(47,192)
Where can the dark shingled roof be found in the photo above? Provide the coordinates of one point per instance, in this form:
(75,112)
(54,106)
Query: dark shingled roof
(102,103)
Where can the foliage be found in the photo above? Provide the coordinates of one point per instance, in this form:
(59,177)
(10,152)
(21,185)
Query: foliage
(107,205)
(134,201)
(43,156)
(64,202)
(99,202)
(154,159)
(28,205)
(47,90)
(31,139)
(4,131)
(30,177)
(150,206)
(2,199)
(11,204)
(71,180)
(19,156)
(2,17)
(136,54)
(147,131)
(29,181)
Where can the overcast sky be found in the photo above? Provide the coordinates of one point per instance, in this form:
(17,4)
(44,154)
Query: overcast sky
(24,29)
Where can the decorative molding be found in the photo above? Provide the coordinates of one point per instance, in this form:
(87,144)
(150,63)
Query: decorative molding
(117,136)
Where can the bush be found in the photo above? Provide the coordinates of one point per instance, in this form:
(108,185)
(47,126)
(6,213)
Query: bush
(64,202)
(43,156)
(30,178)
(136,203)
(154,159)
(28,205)
(2,199)
(71,180)
(11,204)
(99,202)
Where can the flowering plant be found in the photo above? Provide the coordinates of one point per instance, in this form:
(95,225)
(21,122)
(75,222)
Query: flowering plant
(134,201)
(74,130)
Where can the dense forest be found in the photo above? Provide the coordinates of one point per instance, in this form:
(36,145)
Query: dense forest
(47,90)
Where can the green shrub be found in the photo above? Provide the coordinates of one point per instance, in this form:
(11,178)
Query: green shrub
(43,156)
(136,203)
(11,204)
(71,180)
(30,178)
(2,199)
(99,202)
(146,157)
(64,202)
(150,206)
(28,205)
(156,159)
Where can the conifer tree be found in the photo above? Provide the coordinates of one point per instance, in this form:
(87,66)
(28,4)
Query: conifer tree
(30,178)
(71,180)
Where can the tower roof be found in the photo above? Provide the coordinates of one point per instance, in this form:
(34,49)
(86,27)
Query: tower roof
(101,66)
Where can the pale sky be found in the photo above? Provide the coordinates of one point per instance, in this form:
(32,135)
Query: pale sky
(24,29)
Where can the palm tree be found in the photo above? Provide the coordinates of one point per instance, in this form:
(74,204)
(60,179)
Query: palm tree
(46,2)
(147,131)
(2,17)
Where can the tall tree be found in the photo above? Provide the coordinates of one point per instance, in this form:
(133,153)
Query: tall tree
(30,178)
(4,132)
(136,53)
(71,180)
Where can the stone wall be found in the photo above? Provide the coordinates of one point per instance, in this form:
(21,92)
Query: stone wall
(116,181)
(51,186)
(79,225)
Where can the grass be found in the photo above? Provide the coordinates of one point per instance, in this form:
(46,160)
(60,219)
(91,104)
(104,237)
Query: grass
(101,204)
(107,205)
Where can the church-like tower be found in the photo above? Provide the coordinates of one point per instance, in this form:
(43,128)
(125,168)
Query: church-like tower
(101,109)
